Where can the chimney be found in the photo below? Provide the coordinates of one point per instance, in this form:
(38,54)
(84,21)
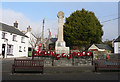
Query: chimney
(23,31)
(16,24)
(28,29)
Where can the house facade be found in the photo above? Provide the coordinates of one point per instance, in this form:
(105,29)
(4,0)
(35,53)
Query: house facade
(32,41)
(117,46)
(13,43)
(100,48)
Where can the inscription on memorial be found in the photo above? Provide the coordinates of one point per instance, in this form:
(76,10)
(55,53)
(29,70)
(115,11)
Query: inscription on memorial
(59,44)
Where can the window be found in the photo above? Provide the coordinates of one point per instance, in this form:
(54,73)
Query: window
(22,39)
(119,48)
(20,49)
(3,35)
(29,49)
(10,50)
(14,37)
(24,49)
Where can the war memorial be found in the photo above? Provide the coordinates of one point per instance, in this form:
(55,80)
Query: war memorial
(61,60)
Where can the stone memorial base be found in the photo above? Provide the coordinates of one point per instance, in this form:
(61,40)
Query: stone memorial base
(61,48)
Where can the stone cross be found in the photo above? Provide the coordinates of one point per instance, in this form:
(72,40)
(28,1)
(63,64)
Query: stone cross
(60,16)
(60,45)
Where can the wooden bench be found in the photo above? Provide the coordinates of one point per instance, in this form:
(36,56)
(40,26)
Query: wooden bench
(103,63)
(28,64)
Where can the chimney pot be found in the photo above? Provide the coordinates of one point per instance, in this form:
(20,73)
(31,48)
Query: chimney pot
(16,24)
(23,31)
(28,29)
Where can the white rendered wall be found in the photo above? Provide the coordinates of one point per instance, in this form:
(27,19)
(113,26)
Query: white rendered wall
(15,44)
(117,47)
(31,40)
(0,42)
(94,47)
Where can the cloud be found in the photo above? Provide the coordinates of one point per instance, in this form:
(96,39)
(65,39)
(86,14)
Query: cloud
(10,16)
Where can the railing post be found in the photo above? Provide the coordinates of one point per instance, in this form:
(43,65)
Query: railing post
(72,59)
(95,67)
(52,61)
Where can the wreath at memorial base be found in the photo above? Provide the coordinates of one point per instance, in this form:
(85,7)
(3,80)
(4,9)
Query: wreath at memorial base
(53,54)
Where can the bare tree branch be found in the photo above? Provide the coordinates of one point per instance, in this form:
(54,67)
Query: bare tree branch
(35,41)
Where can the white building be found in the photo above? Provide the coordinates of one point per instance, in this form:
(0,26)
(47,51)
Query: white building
(100,48)
(117,46)
(13,43)
(32,39)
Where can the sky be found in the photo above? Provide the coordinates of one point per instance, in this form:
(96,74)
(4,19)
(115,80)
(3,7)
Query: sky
(33,13)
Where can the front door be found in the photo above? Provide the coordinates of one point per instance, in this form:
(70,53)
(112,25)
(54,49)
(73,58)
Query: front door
(3,50)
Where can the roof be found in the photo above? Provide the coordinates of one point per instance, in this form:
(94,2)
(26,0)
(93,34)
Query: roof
(11,29)
(118,39)
(53,39)
(103,46)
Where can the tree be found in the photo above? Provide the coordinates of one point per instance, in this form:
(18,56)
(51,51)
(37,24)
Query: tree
(34,40)
(110,43)
(82,28)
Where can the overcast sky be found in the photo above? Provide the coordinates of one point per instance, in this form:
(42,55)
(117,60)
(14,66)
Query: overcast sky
(32,13)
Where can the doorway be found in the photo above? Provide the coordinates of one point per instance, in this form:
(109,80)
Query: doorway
(3,50)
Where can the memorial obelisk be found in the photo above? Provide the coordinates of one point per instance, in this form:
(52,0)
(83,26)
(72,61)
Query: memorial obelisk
(60,45)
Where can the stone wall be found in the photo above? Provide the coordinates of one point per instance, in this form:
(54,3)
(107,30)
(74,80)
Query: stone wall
(112,56)
(74,61)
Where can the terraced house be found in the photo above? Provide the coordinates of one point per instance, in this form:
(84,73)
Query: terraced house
(13,43)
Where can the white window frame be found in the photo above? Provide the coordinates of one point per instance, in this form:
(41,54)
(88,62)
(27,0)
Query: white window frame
(22,39)
(15,38)
(20,48)
(10,50)
(24,49)
(4,35)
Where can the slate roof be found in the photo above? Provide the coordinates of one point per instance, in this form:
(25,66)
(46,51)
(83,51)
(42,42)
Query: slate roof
(53,39)
(103,46)
(11,29)
(117,40)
